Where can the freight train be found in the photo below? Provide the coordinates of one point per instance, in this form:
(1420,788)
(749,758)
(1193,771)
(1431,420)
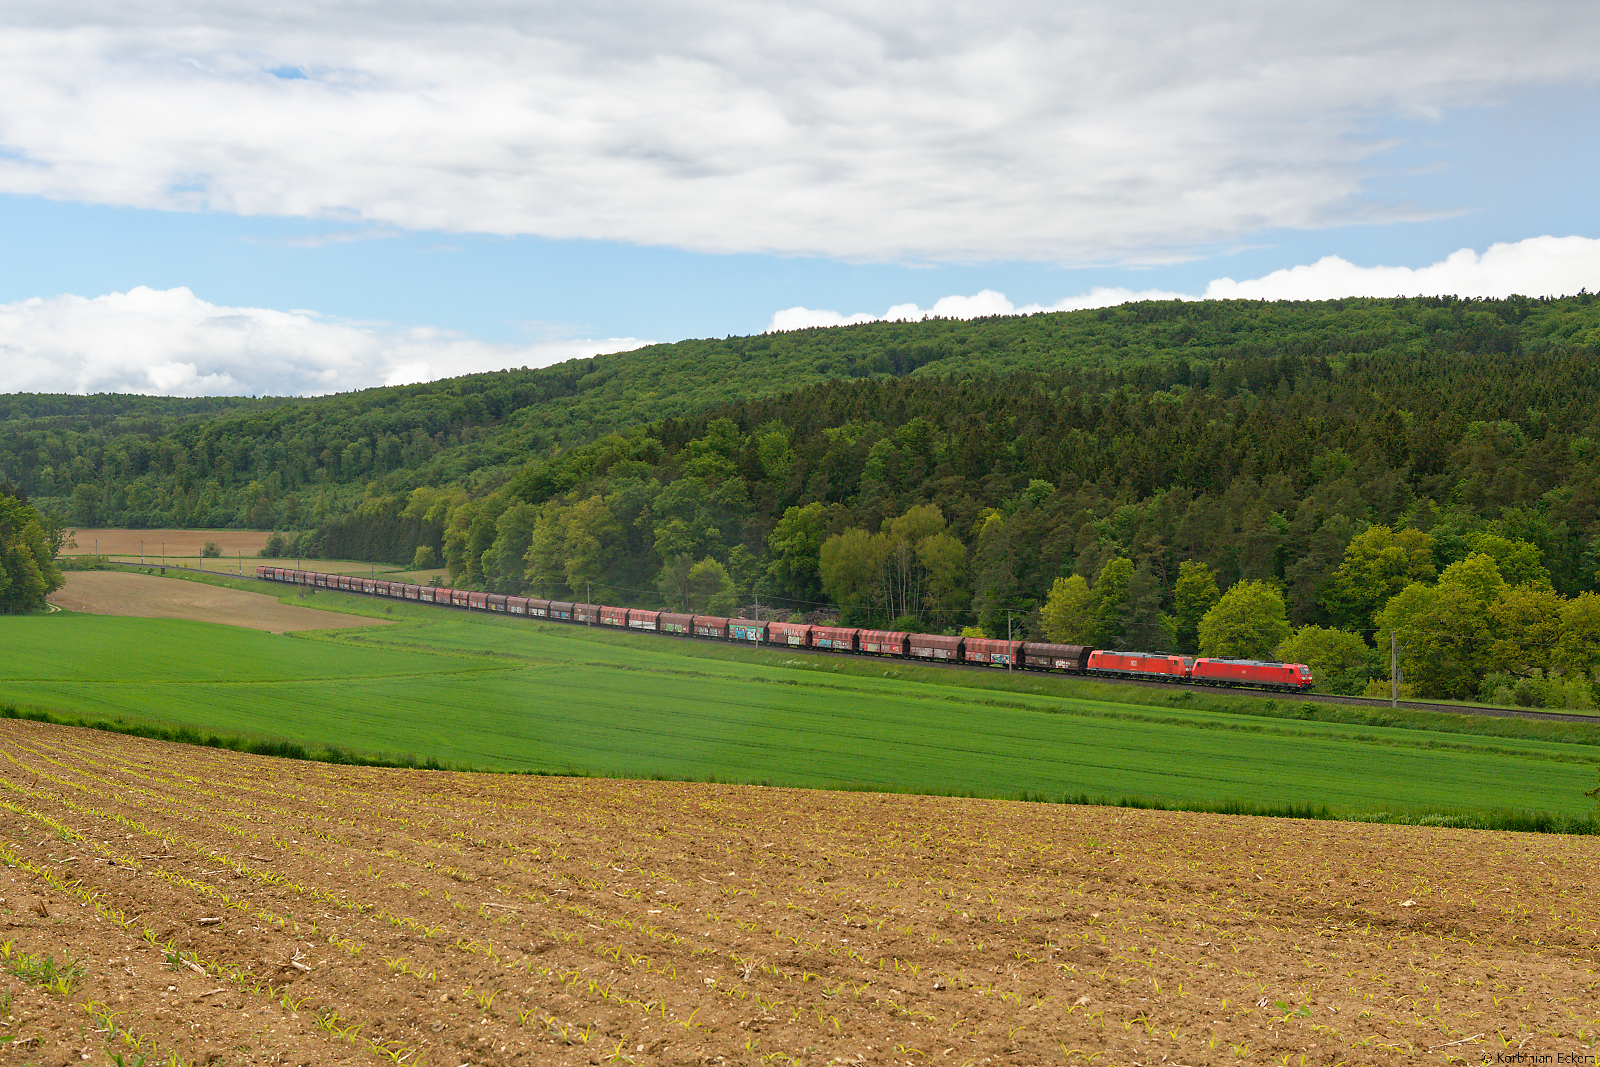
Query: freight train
(984,651)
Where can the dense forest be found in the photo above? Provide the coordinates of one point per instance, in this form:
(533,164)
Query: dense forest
(292,463)
(1110,476)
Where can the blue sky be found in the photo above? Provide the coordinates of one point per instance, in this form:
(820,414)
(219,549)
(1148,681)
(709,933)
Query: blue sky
(367,201)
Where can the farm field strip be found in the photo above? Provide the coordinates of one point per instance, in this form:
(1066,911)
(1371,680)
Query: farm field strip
(536,642)
(507,694)
(448,918)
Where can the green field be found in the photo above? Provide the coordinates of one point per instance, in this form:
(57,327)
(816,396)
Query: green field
(507,694)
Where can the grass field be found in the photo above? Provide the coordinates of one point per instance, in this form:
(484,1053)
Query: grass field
(500,693)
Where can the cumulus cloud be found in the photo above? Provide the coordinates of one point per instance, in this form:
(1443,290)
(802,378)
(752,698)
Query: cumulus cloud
(1538,266)
(1085,131)
(988,302)
(170,342)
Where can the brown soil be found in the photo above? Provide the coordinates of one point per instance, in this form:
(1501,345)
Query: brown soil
(150,597)
(237,909)
(126,543)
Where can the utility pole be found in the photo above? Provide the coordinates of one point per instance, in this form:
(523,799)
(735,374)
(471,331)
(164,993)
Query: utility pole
(1009,655)
(1394,672)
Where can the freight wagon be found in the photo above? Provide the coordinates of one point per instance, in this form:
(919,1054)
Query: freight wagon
(671,622)
(992,653)
(934,646)
(834,638)
(711,626)
(884,642)
(747,630)
(1048,657)
(979,651)
(793,634)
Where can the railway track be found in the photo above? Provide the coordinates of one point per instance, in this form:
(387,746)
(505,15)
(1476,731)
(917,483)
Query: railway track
(1321,698)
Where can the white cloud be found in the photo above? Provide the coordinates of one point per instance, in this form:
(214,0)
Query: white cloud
(170,342)
(1072,132)
(987,302)
(1538,266)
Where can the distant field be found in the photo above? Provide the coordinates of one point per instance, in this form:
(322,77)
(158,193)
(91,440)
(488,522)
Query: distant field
(240,553)
(174,543)
(500,693)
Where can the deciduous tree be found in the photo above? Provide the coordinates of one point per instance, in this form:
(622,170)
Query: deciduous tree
(28,571)
(1247,623)
(1193,595)
(1068,613)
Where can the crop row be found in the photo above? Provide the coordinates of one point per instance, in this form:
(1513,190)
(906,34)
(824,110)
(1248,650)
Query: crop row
(421,915)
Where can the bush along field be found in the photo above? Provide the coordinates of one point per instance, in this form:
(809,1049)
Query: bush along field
(174,904)
(496,693)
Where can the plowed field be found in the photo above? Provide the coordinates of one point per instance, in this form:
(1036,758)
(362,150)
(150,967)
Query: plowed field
(236,909)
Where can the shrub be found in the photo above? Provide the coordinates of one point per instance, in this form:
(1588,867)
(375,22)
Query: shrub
(211,550)
(83,563)
(1572,693)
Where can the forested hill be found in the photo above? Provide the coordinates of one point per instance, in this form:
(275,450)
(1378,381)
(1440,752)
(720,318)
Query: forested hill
(147,461)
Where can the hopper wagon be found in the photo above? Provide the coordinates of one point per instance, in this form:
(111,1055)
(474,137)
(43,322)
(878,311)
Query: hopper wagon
(791,634)
(711,626)
(883,642)
(991,652)
(1043,656)
(673,622)
(747,630)
(835,638)
(936,646)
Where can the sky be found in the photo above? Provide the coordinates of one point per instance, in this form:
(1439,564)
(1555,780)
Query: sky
(300,198)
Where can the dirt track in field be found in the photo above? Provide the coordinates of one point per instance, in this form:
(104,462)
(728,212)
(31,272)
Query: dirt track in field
(150,597)
(126,543)
(238,909)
